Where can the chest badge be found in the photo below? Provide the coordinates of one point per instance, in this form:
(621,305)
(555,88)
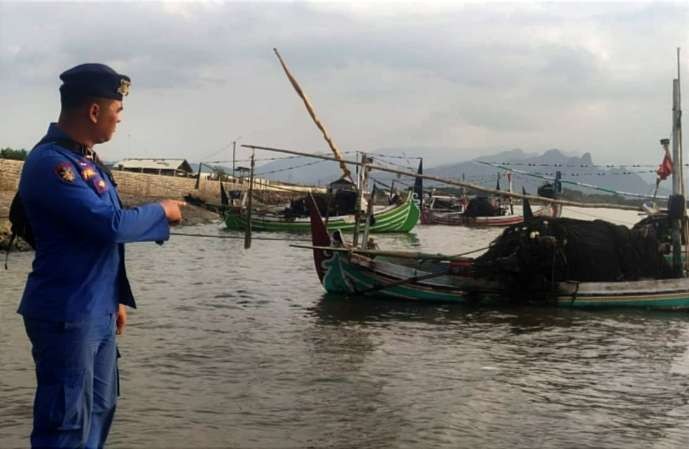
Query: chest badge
(88,173)
(65,172)
(99,184)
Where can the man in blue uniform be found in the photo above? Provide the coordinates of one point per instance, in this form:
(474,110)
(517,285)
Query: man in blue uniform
(75,296)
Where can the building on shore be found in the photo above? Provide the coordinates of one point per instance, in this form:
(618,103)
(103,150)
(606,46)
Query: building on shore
(167,167)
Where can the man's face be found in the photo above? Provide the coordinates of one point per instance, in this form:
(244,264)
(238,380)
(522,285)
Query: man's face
(106,119)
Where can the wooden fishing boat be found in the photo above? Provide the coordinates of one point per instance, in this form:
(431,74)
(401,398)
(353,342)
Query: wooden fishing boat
(395,218)
(442,278)
(456,218)
(482,211)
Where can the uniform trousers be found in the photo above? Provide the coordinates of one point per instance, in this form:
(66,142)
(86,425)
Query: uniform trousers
(77,382)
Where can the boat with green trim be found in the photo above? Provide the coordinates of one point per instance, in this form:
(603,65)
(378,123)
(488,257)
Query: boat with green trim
(558,261)
(394,218)
(442,278)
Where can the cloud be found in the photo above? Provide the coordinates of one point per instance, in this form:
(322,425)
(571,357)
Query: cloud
(468,76)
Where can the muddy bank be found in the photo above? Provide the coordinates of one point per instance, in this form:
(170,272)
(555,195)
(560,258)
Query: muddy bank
(192,215)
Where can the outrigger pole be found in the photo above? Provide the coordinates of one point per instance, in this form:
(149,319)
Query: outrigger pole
(247,233)
(452,182)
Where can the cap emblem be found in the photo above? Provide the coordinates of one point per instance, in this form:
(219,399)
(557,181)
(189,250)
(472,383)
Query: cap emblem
(124,87)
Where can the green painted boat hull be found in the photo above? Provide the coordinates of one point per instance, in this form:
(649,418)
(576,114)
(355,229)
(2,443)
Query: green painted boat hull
(350,273)
(343,276)
(400,218)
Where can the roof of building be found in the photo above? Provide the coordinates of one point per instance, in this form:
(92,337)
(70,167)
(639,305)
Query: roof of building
(154,164)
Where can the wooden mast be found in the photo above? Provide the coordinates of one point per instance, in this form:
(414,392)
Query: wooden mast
(361,188)
(336,151)
(677,203)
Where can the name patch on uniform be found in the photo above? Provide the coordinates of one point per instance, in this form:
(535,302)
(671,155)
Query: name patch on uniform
(65,172)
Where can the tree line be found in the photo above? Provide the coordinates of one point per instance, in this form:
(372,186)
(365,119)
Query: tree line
(11,153)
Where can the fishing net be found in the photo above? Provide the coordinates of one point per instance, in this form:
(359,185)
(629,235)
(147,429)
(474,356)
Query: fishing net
(541,251)
(341,203)
(662,225)
(480,207)
(547,190)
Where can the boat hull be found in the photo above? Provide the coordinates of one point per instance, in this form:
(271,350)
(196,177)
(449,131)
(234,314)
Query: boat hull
(344,274)
(428,216)
(401,218)
(348,273)
(662,294)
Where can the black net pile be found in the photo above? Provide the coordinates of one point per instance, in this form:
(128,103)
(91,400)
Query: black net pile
(480,207)
(341,203)
(547,190)
(662,225)
(535,254)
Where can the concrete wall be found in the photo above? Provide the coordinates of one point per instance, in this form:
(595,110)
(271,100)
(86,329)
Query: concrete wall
(149,185)
(9,174)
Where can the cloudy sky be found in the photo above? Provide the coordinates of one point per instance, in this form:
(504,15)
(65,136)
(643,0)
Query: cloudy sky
(447,81)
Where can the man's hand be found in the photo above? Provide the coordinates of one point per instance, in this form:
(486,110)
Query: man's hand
(173,211)
(121,319)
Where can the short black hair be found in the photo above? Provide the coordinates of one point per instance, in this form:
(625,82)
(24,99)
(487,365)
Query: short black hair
(72,102)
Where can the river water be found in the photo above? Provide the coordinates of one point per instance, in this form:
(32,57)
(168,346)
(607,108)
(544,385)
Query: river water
(242,349)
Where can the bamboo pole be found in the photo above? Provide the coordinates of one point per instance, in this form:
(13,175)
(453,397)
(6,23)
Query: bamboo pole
(678,225)
(369,217)
(361,188)
(453,182)
(247,233)
(336,151)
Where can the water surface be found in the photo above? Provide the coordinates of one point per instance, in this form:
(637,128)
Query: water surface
(242,349)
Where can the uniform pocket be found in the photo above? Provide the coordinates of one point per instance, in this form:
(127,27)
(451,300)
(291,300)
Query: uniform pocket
(60,401)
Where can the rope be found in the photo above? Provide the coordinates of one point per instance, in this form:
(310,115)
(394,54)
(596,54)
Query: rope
(183,234)
(580,184)
(393,156)
(534,164)
(287,168)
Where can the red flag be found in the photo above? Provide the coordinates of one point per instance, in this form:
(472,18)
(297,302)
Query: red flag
(665,168)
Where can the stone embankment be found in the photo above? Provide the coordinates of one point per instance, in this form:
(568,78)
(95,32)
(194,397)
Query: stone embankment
(141,188)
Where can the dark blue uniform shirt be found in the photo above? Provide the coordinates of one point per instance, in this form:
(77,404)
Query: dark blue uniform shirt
(80,229)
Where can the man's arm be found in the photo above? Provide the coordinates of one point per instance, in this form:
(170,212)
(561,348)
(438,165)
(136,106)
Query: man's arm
(67,199)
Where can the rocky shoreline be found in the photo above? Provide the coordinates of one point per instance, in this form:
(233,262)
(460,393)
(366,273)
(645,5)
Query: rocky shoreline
(193,215)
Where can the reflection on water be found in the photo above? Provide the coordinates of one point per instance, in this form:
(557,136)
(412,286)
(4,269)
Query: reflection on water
(242,349)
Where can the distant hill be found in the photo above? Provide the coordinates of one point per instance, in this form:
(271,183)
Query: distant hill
(574,168)
(580,169)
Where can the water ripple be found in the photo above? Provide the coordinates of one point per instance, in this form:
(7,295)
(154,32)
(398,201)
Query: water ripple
(242,349)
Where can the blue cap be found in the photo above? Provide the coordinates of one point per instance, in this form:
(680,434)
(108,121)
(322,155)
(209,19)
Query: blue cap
(94,80)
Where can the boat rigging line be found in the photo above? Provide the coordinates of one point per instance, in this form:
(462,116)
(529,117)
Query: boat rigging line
(237,237)
(468,185)
(556,165)
(278,170)
(576,183)
(399,254)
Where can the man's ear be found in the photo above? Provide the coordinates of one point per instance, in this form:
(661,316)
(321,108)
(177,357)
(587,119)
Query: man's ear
(94,112)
